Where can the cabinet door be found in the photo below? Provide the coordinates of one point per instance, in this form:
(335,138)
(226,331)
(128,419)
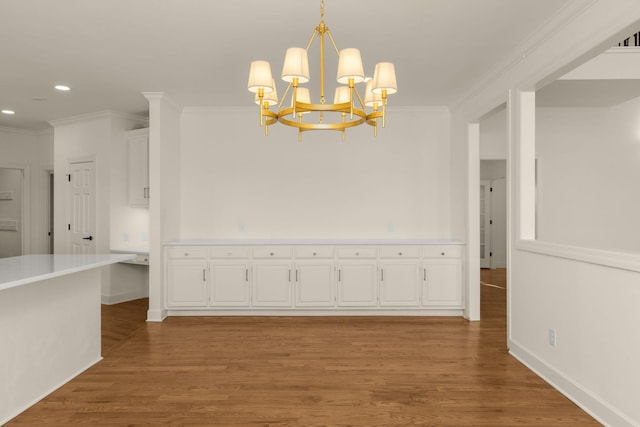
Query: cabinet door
(357,284)
(400,283)
(187,284)
(272,284)
(315,284)
(229,285)
(442,283)
(138,169)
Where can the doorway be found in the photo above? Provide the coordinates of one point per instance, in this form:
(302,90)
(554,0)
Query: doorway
(12,212)
(493,214)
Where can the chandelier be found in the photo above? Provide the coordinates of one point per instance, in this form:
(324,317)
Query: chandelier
(348,108)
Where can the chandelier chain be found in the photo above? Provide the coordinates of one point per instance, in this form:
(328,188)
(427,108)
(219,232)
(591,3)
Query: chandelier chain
(322,10)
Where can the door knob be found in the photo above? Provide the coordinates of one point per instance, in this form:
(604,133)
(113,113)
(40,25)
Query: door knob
(88,238)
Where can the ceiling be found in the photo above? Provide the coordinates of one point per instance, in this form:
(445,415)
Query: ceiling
(198,51)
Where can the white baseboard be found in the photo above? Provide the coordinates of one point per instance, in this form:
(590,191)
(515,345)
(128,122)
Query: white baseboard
(156,315)
(602,411)
(124,297)
(312,312)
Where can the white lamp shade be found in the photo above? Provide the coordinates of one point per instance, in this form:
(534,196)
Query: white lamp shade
(370,98)
(342,95)
(271,98)
(384,78)
(350,66)
(302,95)
(260,77)
(296,65)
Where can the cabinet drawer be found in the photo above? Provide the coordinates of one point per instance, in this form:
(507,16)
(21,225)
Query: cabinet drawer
(272,252)
(229,252)
(399,252)
(442,251)
(314,252)
(356,252)
(187,252)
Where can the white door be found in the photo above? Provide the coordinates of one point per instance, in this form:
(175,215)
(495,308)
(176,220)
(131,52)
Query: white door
(357,284)
(315,284)
(485,224)
(272,284)
(82,208)
(229,285)
(399,284)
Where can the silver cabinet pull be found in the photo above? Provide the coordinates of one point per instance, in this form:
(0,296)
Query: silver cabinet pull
(296,274)
(400,253)
(381,275)
(339,275)
(204,275)
(246,275)
(425,274)
(289,275)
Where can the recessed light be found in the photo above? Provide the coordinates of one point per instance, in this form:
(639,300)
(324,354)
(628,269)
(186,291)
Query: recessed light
(8,112)
(63,88)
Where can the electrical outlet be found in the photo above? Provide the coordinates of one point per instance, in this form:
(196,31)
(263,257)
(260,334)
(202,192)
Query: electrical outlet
(552,337)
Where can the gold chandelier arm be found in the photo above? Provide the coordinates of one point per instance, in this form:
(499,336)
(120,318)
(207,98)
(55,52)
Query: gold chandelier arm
(286,92)
(333,42)
(359,97)
(313,37)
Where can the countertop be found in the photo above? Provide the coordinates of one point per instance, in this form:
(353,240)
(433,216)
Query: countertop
(142,250)
(249,242)
(21,270)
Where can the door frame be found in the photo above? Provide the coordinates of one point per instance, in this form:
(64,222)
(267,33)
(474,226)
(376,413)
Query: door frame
(25,224)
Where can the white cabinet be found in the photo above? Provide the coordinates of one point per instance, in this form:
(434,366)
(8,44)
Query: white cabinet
(271,284)
(138,180)
(315,284)
(188,283)
(343,279)
(400,283)
(442,283)
(357,284)
(229,284)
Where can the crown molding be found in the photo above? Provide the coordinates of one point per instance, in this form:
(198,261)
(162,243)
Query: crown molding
(98,115)
(554,25)
(18,131)
(162,96)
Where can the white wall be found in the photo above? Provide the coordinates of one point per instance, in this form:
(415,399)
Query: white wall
(589,170)
(33,152)
(164,184)
(493,135)
(237,183)
(591,303)
(98,137)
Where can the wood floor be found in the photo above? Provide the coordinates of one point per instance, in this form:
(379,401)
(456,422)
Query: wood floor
(304,371)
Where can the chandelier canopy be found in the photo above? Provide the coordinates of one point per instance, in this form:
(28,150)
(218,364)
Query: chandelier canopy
(348,108)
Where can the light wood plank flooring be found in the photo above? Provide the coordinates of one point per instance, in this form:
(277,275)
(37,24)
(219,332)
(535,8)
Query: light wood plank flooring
(304,371)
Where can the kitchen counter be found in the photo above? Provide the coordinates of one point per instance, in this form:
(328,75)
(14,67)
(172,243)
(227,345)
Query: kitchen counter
(21,270)
(250,242)
(49,324)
